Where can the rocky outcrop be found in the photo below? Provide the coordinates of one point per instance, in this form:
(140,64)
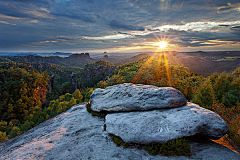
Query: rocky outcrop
(159,126)
(79,56)
(134,97)
(73,81)
(75,134)
(51,86)
(98,69)
(166,115)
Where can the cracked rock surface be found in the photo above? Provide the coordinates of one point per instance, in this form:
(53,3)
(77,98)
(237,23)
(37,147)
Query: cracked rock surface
(75,134)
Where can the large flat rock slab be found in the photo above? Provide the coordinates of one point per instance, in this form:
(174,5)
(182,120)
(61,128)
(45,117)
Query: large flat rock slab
(135,97)
(75,134)
(160,126)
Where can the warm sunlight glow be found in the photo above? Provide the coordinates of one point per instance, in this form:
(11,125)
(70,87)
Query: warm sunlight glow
(162,44)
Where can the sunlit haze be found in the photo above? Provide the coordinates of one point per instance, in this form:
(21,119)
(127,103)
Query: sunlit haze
(119,25)
(162,44)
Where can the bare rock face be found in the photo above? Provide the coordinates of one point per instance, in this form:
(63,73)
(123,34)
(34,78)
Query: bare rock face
(75,134)
(162,125)
(135,97)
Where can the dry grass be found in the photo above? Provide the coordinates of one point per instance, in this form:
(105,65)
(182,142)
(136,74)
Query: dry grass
(232,117)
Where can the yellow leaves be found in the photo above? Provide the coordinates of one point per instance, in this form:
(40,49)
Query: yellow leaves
(47,116)
(77,94)
(232,117)
(10,108)
(3,125)
(31,116)
(3,136)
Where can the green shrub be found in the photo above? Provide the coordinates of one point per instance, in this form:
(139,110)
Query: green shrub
(3,136)
(14,132)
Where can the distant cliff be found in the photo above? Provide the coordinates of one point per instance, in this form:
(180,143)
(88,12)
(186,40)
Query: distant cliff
(79,60)
(95,72)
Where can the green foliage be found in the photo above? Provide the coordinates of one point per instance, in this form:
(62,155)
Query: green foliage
(177,147)
(223,88)
(155,71)
(3,136)
(93,113)
(27,126)
(94,72)
(101,84)
(232,117)
(14,132)
(62,104)
(62,75)
(37,115)
(77,94)
(117,140)
(22,91)
(3,125)
(87,93)
(25,101)
(205,94)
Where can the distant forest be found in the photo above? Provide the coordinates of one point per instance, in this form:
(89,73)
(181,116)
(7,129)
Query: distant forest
(32,91)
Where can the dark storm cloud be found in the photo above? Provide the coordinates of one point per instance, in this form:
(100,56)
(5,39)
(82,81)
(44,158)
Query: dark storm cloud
(235,28)
(119,25)
(75,17)
(122,33)
(223,25)
(65,23)
(235,6)
(32,2)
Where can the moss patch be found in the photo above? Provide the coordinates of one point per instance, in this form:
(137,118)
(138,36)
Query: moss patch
(93,113)
(177,147)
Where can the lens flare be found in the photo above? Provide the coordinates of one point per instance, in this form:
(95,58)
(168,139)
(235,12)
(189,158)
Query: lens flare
(162,44)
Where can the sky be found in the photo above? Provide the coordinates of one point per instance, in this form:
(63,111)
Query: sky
(118,25)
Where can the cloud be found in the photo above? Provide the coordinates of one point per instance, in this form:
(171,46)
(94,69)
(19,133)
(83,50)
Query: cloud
(32,2)
(60,24)
(229,7)
(83,18)
(235,28)
(223,25)
(4,22)
(119,25)
(109,37)
(24,11)
(34,21)
(8,17)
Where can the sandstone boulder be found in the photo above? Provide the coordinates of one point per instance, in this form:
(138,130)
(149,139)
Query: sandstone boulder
(135,97)
(162,125)
(75,134)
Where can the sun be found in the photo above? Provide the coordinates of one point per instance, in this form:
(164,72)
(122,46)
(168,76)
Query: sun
(162,44)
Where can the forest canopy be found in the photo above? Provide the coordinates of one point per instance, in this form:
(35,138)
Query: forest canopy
(26,101)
